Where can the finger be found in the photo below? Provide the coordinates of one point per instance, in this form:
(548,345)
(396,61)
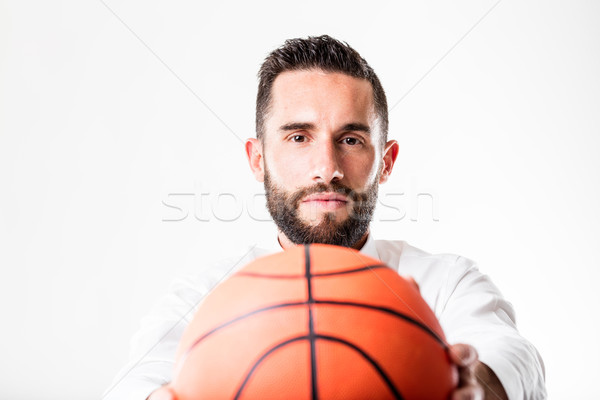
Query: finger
(163,393)
(466,376)
(463,354)
(468,393)
(412,281)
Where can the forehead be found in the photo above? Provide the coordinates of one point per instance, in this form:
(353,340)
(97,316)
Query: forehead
(317,95)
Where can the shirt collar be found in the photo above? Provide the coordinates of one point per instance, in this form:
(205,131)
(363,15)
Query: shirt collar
(368,249)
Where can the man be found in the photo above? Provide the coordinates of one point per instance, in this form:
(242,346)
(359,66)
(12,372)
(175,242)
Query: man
(322,151)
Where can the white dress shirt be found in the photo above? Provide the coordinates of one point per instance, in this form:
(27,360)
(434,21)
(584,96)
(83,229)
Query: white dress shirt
(468,305)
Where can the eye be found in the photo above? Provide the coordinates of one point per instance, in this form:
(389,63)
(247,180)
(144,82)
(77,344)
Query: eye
(350,141)
(298,138)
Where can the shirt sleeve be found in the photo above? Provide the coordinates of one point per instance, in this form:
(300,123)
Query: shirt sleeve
(475,313)
(154,346)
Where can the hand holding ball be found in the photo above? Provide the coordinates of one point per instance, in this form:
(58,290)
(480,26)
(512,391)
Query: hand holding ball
(314,322)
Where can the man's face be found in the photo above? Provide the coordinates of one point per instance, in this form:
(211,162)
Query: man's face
(321,157)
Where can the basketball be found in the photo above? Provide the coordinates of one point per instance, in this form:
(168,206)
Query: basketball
(314,322)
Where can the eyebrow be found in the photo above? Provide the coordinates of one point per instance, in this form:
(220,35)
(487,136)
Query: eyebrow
(297,126)
(307,126)
(356,127)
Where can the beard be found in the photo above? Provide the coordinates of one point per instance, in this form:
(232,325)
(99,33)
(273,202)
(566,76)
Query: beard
(284,209)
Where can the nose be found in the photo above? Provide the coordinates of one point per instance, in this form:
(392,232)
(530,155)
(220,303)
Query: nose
(326,163)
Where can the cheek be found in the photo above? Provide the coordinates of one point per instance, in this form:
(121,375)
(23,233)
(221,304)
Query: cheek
(286,170)
(358,173)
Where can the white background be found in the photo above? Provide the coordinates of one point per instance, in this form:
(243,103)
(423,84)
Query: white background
(498,121)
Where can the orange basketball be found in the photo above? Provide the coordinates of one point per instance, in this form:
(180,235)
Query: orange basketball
(314,322)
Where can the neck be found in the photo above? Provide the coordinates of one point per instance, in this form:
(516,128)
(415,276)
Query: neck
(286,243)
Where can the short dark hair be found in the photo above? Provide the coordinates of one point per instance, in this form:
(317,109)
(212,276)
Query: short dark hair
(316,52)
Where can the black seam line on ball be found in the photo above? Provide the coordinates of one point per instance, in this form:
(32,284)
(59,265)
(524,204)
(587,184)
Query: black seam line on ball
(236,319)
(311,325)
(354,347)
(317,275)
(327,302)
(386,310)
(262,358)
(371,361)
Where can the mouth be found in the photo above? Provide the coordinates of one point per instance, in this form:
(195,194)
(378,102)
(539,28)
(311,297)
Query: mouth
(328,201)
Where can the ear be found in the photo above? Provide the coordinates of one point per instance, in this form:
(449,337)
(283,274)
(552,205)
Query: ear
(254,153)
(390,153)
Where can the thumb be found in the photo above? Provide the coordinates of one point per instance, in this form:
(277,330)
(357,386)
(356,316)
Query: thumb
(463,354)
